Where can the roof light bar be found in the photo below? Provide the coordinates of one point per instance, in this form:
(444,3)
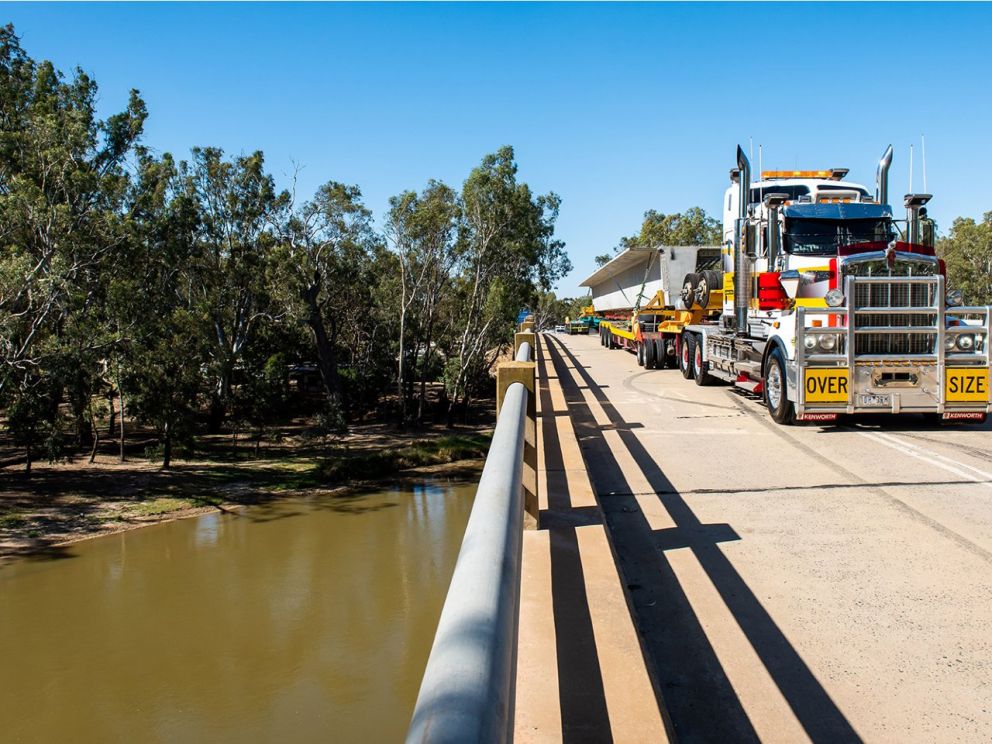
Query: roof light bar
(776,174)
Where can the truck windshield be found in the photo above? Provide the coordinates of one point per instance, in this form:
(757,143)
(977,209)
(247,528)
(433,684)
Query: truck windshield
(808,237)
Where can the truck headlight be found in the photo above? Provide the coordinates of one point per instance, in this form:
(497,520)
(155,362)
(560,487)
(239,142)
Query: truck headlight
(834,297)
(966,342)
(828,342)
(949,342)
(809,341)
(954,298)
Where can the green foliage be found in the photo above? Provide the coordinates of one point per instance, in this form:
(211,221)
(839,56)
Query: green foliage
(185,290)
(692,227)
(968,253)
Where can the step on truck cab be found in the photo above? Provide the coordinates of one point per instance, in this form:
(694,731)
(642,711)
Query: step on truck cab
(832,306)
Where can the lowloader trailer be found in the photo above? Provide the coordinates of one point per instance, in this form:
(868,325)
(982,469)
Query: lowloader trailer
(837,307)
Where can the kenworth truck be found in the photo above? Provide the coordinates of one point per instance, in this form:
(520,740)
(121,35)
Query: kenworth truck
(829,305)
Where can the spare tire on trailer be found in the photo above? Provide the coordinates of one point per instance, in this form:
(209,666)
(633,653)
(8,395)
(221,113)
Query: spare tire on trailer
(709,281)
(688,293)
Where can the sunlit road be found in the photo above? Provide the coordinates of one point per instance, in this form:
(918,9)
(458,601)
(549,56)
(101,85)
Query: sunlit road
(830,583)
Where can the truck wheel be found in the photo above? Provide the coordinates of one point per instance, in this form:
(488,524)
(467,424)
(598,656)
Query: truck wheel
(709,281)
(687,353)
(688,294)
(650,354)
(700,368)
(639,352)
(782,410)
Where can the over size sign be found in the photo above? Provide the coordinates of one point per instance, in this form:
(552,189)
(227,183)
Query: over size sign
(826,385)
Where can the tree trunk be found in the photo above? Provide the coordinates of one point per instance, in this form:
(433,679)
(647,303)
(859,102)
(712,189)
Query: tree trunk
(402,340)
(120,392)
(27,459)
(96,435)
(111,418)
(166,447)
(327,358)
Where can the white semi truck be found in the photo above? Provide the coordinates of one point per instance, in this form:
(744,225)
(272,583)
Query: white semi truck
(826,304)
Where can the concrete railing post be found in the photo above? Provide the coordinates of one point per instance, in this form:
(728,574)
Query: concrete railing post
(524,372)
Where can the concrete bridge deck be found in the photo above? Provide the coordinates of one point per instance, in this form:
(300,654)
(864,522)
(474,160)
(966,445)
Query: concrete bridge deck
(702,574)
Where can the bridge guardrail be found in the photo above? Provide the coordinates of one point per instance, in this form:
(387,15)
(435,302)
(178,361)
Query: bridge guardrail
(468,687)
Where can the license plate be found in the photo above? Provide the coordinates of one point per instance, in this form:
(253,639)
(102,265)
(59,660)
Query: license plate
(967,385)
(870,400)
(826,385)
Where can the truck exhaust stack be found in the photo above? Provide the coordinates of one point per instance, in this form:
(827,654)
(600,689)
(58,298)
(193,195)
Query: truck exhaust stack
(742,283)
(882,177)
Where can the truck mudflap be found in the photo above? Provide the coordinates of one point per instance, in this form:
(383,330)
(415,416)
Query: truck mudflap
(829,376)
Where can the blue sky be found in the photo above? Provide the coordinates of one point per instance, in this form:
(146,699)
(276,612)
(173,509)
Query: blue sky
(619,108)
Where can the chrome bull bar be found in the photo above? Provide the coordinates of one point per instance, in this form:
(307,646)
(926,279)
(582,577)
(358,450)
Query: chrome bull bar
(931,365)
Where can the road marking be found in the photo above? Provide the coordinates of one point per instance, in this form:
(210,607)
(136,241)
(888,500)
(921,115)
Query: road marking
(707,432)
(939,461)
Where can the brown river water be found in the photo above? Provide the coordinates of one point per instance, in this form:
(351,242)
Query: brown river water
(299,621)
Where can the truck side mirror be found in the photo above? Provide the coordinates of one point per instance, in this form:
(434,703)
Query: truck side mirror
(750,236)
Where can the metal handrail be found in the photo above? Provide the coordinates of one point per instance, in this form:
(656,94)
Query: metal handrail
(467,691)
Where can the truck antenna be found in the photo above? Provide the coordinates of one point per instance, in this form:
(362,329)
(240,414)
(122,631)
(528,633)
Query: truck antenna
(910,169)
(760,166)
(923,154)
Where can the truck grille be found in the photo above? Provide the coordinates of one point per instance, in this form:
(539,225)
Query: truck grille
(895,296)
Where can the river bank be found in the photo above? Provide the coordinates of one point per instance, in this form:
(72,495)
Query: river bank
(63,503)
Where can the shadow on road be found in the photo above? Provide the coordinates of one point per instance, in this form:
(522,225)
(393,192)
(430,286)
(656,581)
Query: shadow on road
(699,696)
(580,683)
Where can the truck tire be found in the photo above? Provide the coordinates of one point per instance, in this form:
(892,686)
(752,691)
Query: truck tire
(709,281)
(688,294)
(639,353)
(687,353)
(700,369)
(781,409)
(650,354)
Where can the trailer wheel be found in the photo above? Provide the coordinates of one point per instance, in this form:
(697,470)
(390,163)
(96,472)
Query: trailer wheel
(700,368)
(688,294)
(602,336)
(687,353)
(639,353)
(782,410)
(709,281)
(650,354)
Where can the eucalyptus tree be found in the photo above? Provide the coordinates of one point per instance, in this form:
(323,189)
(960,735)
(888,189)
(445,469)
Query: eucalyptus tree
(507,250)
(325,275)
(236,202)
(63,180)
(967,249)
(691,227)
(423,229)
(159,348)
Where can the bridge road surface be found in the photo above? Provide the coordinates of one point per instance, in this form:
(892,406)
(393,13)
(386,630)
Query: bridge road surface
(824,583)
